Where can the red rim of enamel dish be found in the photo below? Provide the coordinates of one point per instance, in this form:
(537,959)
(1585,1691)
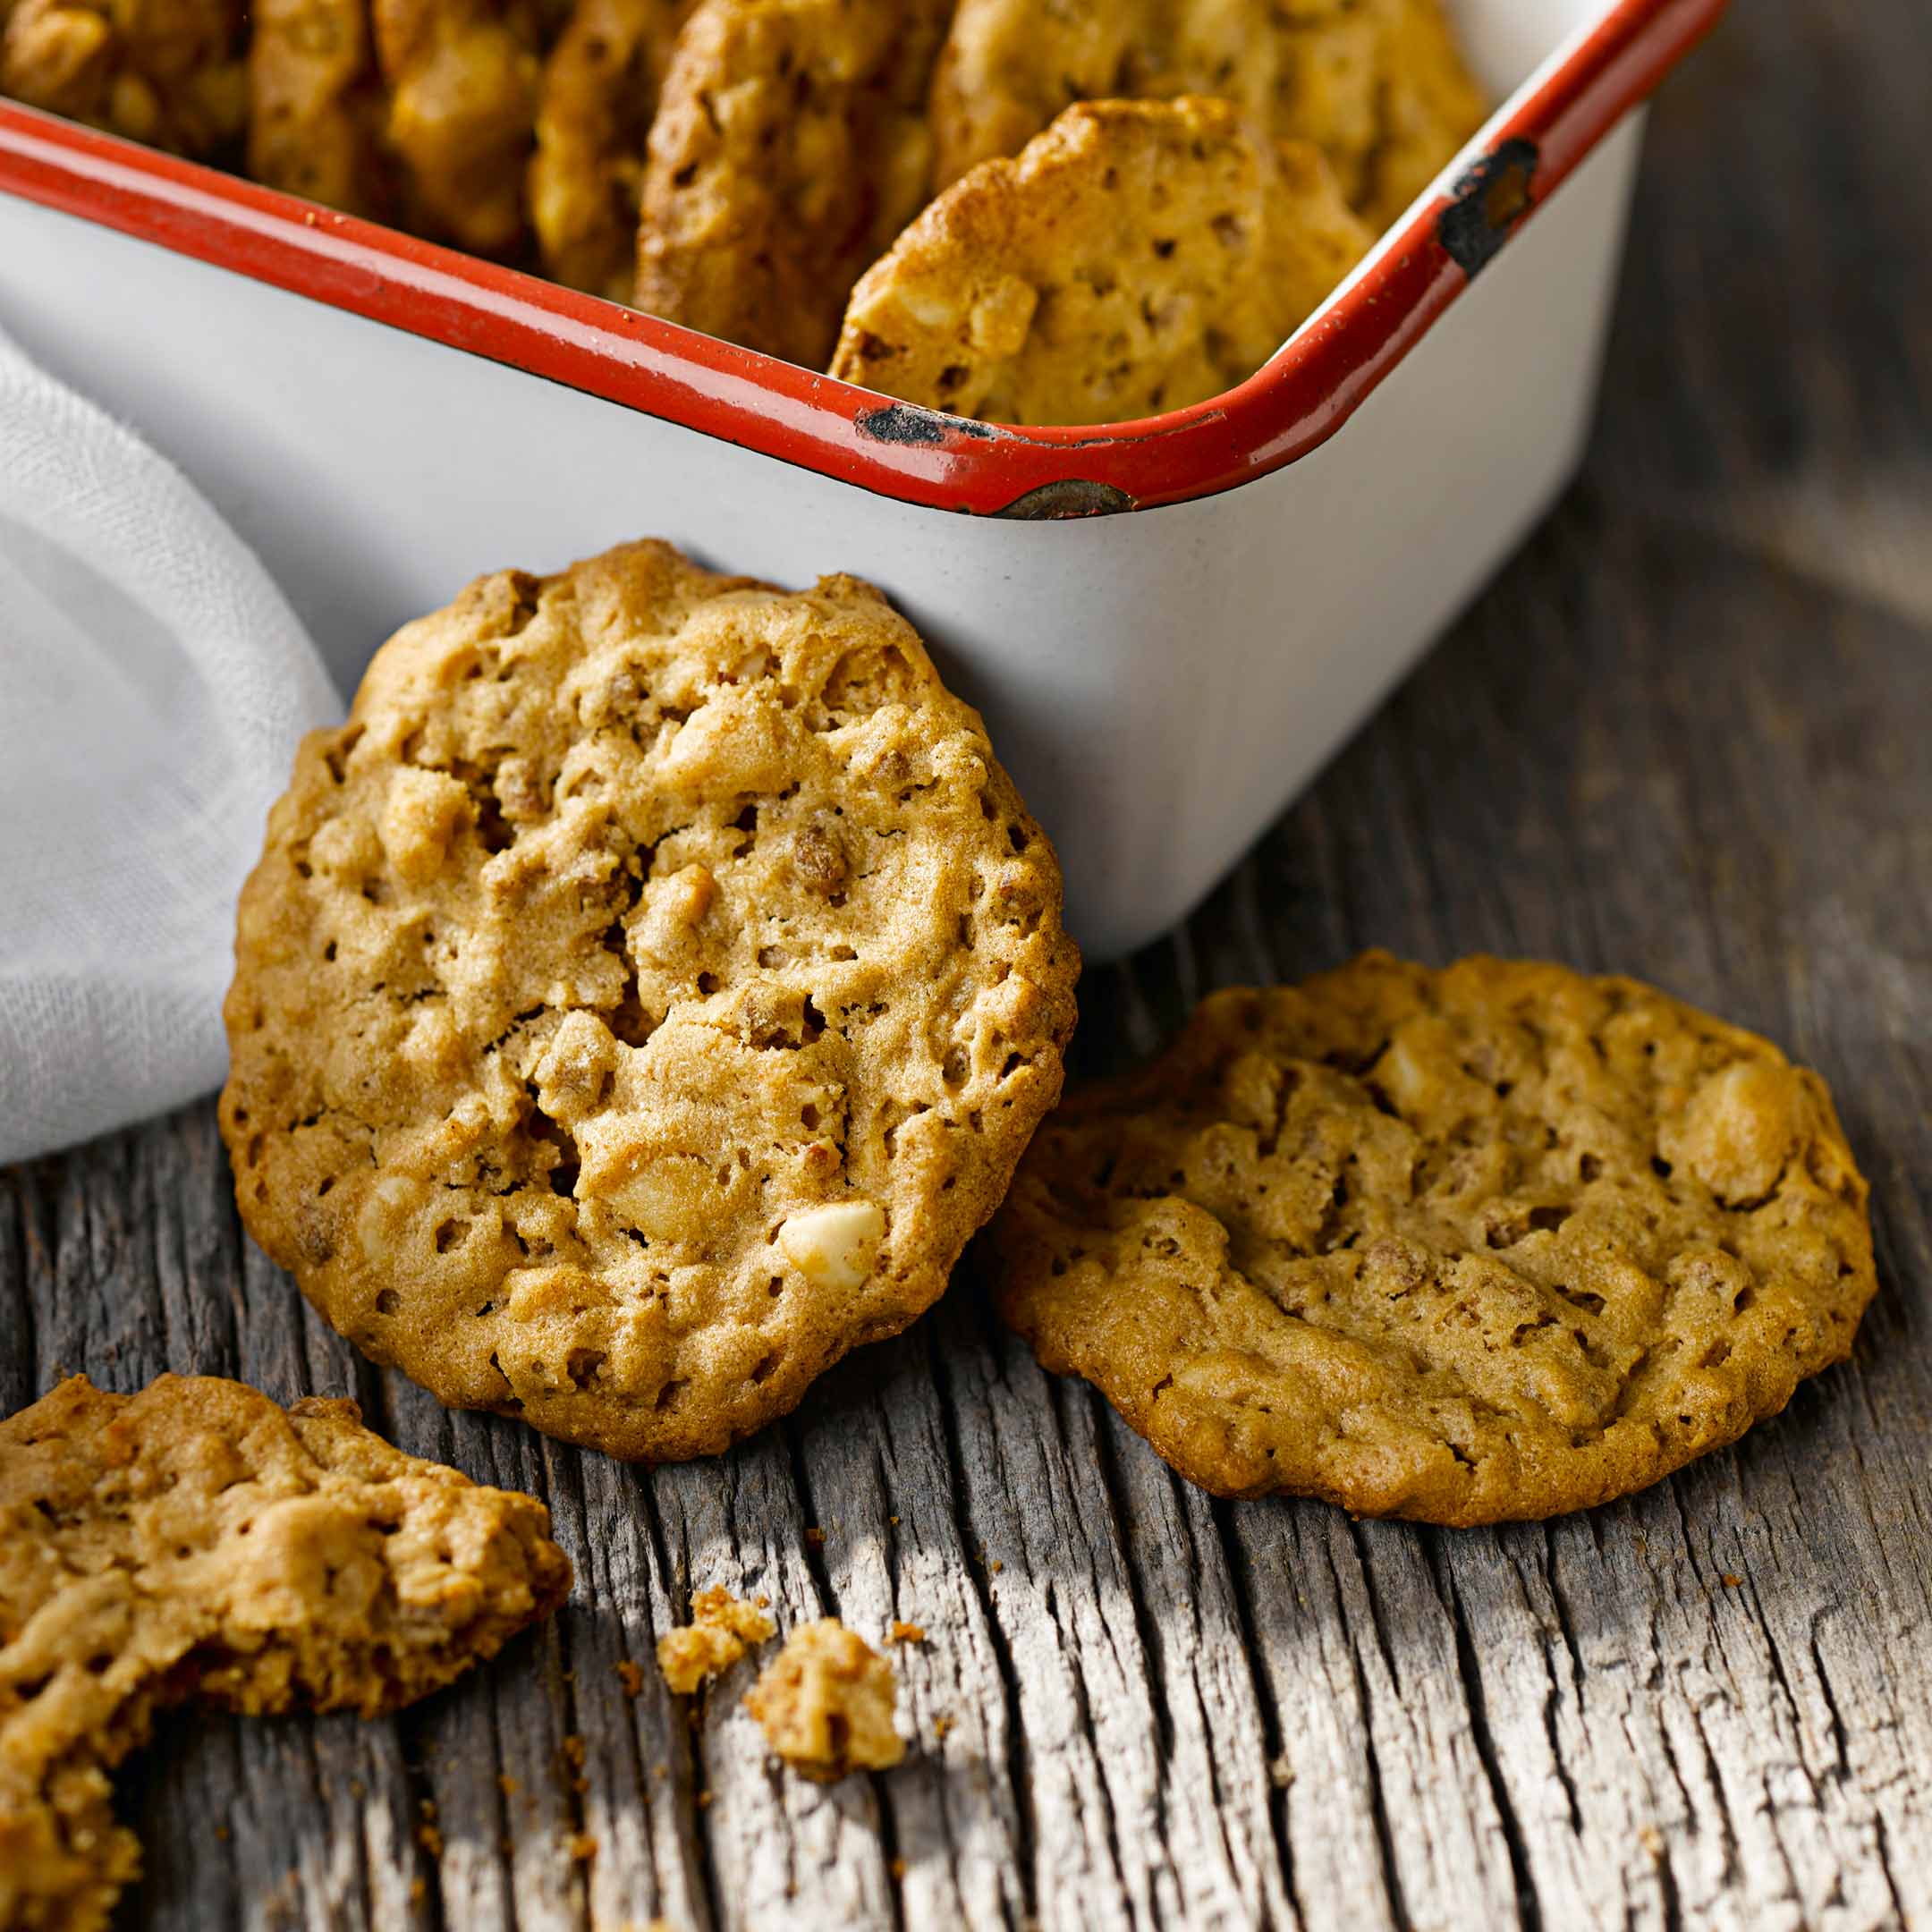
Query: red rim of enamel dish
(1300,400)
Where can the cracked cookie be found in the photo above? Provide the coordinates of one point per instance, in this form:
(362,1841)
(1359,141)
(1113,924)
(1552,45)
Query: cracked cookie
(1380,85)
(1495,1241)
(1139,256)
(641,999)
(790,146)
(197,1541)
(826,1704)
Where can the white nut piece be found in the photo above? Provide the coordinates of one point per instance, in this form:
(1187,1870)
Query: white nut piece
(834,1247)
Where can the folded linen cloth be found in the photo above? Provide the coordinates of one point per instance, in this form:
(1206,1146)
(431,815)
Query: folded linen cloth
(154,684)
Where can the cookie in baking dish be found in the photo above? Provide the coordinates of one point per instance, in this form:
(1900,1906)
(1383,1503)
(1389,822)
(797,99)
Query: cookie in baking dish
(197,1541)
(790,146)
(1499,1241)
(1137,257)
(641,999)
(1380,85)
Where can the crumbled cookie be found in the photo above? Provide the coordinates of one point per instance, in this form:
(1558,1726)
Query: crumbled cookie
(789,147)
(597,96)
(826,1704)
(1495,1241)
(196,1540)
(720,1631)
(1138,257)
(168,72)
(463,80)
(317,107)
(1379,86)
(641,999)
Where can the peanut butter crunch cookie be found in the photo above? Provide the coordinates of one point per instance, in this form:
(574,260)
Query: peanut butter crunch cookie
(1380,85)
(1139,256)
(197,1541)
(1495,1242)
(789,147)
(641,999)
(168,72)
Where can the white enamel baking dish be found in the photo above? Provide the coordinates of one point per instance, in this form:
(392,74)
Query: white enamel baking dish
(1169,625)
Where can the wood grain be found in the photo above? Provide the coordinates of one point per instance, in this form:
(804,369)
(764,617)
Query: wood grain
(1685,736)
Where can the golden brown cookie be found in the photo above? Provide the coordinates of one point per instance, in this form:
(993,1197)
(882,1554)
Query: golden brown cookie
(641,999)
(1495,1241)
(598,93)
(316,108)
(462,81)
(1137,257)
(1379,86)
(790,146)
(197,1541)
(826,1704)
(168,72)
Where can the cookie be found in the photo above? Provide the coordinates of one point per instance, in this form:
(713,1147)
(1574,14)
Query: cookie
(826,1704)
(790,146)
(1380,85)
(1137,257)
(595,105)
(1495,1241)
(1428,105)
(462,81)
(317,107)
(641,999)
(197,1541)
(718,1634)
(168,72)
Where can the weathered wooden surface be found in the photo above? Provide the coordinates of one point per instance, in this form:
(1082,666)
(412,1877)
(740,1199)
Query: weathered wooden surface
(1685,736)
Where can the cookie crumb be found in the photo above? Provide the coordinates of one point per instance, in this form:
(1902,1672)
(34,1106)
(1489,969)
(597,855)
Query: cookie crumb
(826,1703)
(430,1839)
(507,1785)
(941,1725)
(573,1751)
(1732,1582)
(815,1536)
(704,1801)
(898,1869)
(902,1632)
(417,1893)
(631,1675)
(582,1847)
(721,1630)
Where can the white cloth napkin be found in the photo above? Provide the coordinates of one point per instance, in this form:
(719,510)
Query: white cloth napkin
(153,687)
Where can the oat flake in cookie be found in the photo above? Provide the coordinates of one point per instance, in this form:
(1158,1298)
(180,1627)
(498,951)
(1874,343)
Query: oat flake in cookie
(1495,1241)
(641,999)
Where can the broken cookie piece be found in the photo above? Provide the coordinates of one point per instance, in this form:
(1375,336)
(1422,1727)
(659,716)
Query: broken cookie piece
(197,1541)
(826,1704)
(718,1634)
(1138,257)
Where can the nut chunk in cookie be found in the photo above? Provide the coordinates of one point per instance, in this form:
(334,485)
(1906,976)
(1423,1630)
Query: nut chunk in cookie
(1139,256)
(826,1704)
(790,146)
(196,1540)
(1496,1241)
(641,999)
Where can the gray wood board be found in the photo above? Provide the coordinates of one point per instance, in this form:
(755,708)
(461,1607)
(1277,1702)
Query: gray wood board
(1684,736)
